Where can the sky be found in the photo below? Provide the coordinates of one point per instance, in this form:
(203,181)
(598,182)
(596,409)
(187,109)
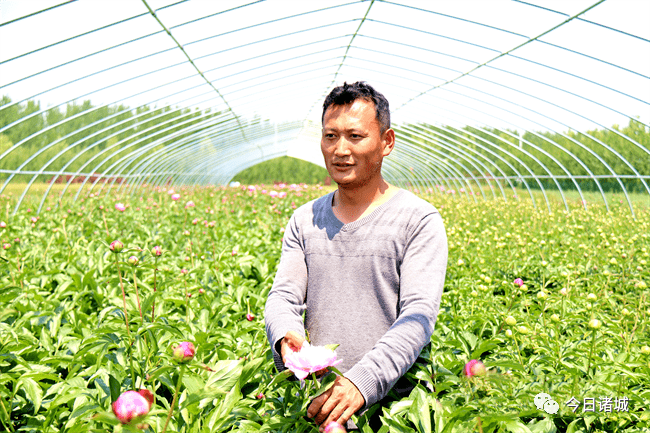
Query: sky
(450,62)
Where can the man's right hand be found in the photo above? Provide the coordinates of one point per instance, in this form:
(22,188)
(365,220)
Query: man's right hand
(291,342)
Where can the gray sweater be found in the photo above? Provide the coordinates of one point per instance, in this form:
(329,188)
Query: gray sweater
(373,286)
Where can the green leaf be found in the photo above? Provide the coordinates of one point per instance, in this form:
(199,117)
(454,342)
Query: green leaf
(544,426)
(419,412)
(515,427)
(326,383)
(115,388)
(33,391)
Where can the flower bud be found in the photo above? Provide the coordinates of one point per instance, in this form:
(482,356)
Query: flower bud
(541,295)
(645,350)
(511,321)
(184,352)
(250,317)
(595,324)
(523,330)
(555,318)
(157,251)
(131,407)
(3,224)
(116,246)
(334,427)
(563,291)
(474,368)
(518,282)
(133,261)
(591,297)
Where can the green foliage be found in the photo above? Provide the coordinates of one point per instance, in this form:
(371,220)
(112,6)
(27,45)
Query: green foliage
(505,153)
(65,354)
(283,169)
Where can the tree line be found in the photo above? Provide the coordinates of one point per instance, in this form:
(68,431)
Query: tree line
(107,133)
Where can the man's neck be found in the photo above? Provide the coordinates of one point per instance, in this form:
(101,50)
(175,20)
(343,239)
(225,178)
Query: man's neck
(351,204)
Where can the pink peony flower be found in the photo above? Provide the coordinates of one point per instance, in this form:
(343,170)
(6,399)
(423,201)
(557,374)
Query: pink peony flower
(334,427)
(310,359)
(519,282)
(474,368)
(6,246)
(176,197)
(273,194)
(133,260)
(157,250)
(282,194)
(132,406)
(116,246)
(189,204)
(251,188)
(3,224)
(120,207)
(184,352)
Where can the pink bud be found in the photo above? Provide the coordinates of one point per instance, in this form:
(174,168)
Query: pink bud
(334,427)
(133,260)
(260,396)
(184,271)
(157,250)
(201,291)
(3,224)
(116,246)
(6,246)
(132,406)
(519,282)
(184,352)
(474,368)
(250,317)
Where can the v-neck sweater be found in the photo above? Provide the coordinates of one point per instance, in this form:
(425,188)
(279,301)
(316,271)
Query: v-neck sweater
(373,286)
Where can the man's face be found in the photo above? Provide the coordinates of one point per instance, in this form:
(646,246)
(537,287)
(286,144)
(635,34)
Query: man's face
(352,143)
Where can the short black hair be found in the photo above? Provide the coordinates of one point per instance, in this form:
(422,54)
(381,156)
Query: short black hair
(348,93)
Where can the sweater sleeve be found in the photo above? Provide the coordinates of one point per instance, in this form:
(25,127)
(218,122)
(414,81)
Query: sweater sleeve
(285,304)
(422,276)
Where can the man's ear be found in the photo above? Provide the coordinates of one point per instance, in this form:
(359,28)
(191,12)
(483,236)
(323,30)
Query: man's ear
(388,141)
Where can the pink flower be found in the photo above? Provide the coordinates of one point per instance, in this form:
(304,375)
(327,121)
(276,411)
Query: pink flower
(116,246)
(334,427)
(132,406)
(250,317)
(184,352)
(157,250)
(133,260)
(6,246)
(519,282)
(282,194)
(474,368)
(3,224)
(273,194)
(120,207)
(251,188)
(310,359)
(184,271)
(176,197)
(189,204)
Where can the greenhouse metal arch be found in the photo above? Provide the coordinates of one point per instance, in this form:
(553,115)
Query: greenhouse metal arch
(485,99)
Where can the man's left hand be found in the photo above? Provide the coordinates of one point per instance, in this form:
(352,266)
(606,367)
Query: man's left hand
(338,403)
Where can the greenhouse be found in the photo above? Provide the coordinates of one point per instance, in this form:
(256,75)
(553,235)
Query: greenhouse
(153,152)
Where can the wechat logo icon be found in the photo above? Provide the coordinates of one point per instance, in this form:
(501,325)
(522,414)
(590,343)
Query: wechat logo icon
(543,401)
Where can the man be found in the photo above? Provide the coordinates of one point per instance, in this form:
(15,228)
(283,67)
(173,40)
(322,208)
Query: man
(366,263)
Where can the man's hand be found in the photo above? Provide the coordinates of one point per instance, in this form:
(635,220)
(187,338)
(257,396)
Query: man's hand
(292,342)
(338,403)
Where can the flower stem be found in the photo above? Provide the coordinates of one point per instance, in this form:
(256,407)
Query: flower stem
(119,274)
(137,295)
(178,387)
(153,305)
(591,350)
